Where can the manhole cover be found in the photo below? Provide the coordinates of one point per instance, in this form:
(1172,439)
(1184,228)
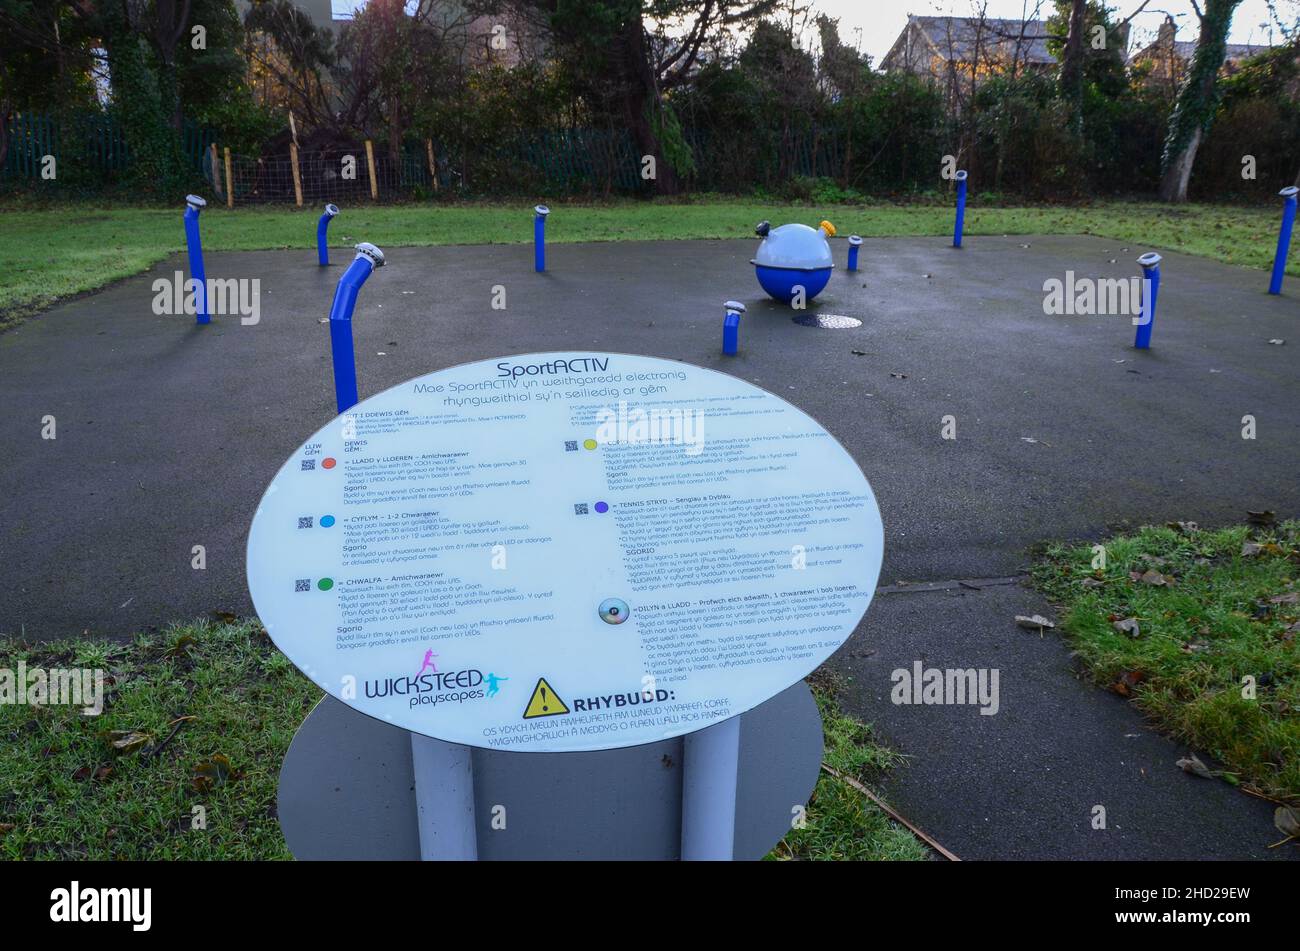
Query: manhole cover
(827,321)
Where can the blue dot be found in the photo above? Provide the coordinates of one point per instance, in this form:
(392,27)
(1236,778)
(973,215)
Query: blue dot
(602,507)
(326,521)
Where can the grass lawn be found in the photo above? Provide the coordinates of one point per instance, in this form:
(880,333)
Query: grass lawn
(51,252)
(1211,608)
(202,714)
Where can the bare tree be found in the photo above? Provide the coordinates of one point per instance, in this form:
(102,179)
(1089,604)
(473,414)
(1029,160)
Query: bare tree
(1197,99)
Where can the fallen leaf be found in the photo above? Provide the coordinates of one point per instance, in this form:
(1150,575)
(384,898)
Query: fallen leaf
(1187,528)
(1127,682)
(225,617)
(1292,598)
(1035,623)
(1092,583)
(1128,626)
(211,773)
(1151,577)
(128,741)
(1287,821)
(181,645)
(898,376)
(1191,764)
(1266,517)
(1251,550)
(1277,341)
(97,773)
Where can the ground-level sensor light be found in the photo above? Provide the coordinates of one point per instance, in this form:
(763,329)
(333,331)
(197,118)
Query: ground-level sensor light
(855,243)
(731,327)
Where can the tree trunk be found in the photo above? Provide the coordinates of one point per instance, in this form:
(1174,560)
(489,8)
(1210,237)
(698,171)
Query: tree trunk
(1197,99)
(640,96)
(1071,77)
(1173,184)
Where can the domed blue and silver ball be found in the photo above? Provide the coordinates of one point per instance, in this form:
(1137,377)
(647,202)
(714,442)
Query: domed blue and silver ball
(793,256)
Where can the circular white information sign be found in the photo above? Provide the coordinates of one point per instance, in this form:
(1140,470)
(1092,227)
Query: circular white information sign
(564,551)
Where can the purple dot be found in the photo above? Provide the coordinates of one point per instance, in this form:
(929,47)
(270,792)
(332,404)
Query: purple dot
(602,507)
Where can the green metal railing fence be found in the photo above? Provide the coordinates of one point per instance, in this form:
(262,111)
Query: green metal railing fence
(94,140)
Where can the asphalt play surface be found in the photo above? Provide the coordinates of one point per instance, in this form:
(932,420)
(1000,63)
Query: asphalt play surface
(167,433)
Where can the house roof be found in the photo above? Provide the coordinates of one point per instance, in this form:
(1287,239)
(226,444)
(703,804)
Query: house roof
(957,38)
(1184,49)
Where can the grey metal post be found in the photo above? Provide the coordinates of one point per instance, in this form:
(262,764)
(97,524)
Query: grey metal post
(444,800)
(710,758)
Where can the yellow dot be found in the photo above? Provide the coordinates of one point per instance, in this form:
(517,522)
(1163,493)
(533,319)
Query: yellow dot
(589,444)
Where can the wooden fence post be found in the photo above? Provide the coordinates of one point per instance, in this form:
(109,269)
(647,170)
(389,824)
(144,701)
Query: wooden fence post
(370,161)
(230,185)
(297,177)
(433,163)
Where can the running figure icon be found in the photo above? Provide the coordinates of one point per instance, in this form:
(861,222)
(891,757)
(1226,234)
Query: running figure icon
(492,682)
(428,664)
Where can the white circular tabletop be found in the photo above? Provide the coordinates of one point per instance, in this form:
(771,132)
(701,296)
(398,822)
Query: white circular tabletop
(564,551)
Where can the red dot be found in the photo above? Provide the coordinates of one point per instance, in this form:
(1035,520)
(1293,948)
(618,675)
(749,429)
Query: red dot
(327,462)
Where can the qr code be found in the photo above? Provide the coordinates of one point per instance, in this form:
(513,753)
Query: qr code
(571,445)
(304,521)
(308,464)
(302,584)
(580,508)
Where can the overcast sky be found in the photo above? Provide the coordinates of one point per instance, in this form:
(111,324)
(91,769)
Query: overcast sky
(882,20)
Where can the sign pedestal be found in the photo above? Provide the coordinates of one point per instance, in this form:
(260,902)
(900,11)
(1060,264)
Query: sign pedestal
(444,799)
(710,758)
(348,790)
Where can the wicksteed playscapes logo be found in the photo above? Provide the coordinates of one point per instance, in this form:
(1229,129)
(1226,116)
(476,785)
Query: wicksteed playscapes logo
(430,686)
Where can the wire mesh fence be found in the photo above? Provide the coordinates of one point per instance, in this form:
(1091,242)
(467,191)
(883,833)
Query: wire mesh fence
(552,162)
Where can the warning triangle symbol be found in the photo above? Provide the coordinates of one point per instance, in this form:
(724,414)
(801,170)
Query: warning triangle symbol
(544,702)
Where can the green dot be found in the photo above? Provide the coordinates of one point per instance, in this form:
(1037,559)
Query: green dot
(325,584)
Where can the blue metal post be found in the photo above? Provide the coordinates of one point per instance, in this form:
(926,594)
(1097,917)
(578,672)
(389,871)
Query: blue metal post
(855,242)
(539,238)
(731,327)
(1150,290)
(961,209)
(322,230)
(368,258)
(193,205)
(1283,239)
